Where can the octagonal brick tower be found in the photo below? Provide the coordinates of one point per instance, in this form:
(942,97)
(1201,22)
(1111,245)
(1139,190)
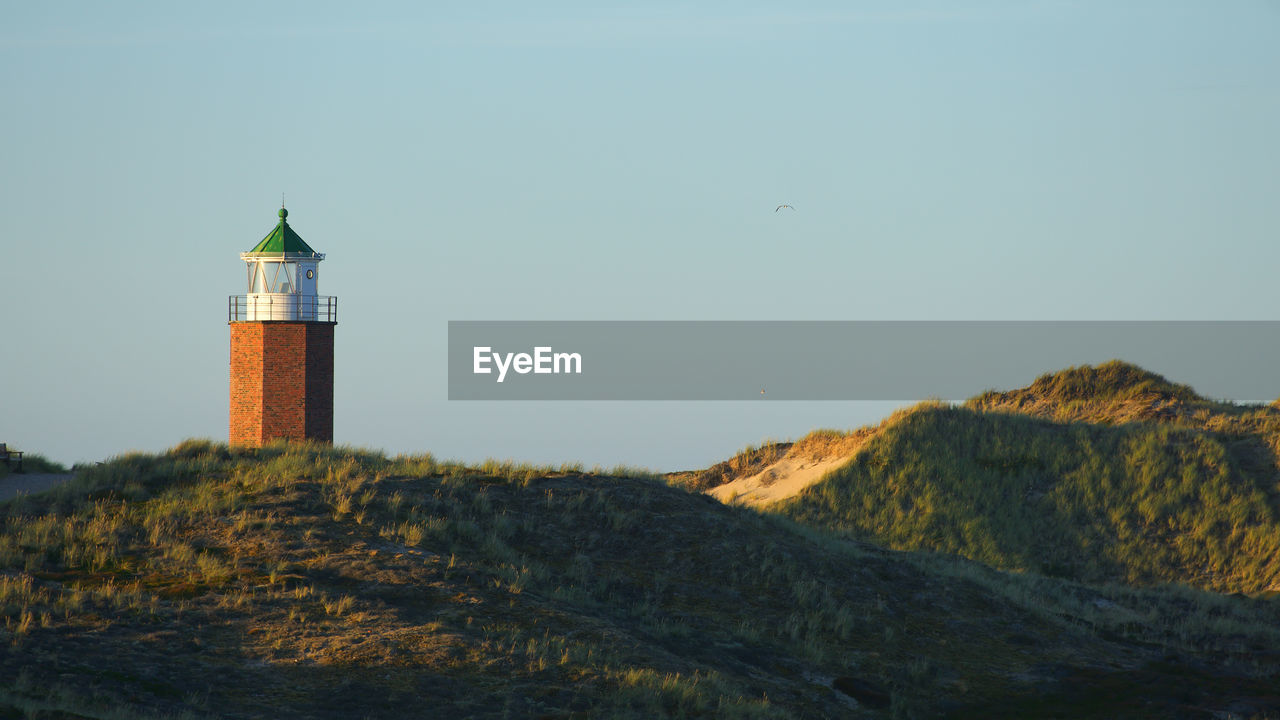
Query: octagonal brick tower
(281,344)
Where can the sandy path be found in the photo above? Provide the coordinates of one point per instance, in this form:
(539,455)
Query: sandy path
(13,484)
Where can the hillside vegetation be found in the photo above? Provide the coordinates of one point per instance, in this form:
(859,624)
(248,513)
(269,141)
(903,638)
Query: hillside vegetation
(1117,392)
(1096,474)
(305,581)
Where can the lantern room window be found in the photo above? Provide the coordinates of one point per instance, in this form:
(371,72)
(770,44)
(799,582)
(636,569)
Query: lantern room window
(267,276)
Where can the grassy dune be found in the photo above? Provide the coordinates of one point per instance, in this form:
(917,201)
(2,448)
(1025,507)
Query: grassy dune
(1117,393)
(303,581)
(1096,474)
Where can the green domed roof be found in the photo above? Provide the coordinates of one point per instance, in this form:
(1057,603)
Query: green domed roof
(282,241)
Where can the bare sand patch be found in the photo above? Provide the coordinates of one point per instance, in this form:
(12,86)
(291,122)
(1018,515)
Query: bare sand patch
(781,480)
(805,462)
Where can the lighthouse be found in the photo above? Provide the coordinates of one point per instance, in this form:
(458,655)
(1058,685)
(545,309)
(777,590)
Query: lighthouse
(281,344)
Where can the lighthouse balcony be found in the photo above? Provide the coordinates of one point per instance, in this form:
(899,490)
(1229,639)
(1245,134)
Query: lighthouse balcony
(256,307)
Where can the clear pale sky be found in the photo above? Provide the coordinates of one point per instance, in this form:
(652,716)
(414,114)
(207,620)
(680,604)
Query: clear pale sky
(469,161)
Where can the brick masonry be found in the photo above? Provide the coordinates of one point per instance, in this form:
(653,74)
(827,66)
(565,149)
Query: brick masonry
(281,382)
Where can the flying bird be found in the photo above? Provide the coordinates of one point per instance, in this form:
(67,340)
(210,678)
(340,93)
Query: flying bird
(782,206)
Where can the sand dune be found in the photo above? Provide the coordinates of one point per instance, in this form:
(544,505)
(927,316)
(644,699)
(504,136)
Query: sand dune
(804,463)
(778,481)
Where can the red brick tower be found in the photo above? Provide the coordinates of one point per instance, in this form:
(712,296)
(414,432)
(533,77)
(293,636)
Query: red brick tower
(281,345)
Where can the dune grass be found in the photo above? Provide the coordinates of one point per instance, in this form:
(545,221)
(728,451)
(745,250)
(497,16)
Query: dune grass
(1116,393)
(1076,477)
(306,580)
(282,540)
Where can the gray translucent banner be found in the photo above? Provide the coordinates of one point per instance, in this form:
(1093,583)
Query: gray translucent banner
(842,360)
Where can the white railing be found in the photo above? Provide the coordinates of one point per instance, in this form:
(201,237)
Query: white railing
(282,306)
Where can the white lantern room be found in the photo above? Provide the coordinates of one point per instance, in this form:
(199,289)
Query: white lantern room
(282,272)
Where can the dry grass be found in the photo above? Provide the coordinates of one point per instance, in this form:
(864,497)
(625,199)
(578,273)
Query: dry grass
(1107,473)
(301,580)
